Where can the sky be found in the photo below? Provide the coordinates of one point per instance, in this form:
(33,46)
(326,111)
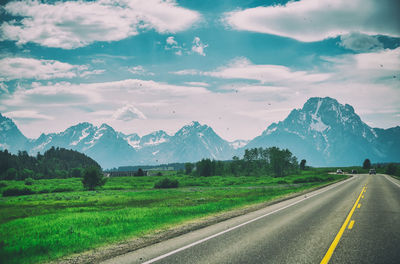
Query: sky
(235,65)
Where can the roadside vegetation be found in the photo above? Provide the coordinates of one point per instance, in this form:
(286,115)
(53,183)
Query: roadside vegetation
(41,227)
(45,219)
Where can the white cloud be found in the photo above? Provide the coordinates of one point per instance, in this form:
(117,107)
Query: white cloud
(366,67)
(28,68)
(204,84)
(242,68)
(139,70)
(172,44)
(127,113)
(171,41)
(74,24)
(238,108)
(198,46)
(360,42)
(315,20)
(64,93)
(188,72)
(27,114)
(98,61)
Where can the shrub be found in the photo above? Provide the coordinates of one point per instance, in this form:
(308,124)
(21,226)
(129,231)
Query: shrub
(29,181)
(166,183)
(391,169)
(17,192)
(3,184)
(92,178)
(308,179)
(60,189)
(282,182)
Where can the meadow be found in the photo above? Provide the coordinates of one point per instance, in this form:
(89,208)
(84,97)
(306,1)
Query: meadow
(62,218)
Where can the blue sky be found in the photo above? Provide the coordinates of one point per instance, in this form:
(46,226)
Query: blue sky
(237,66)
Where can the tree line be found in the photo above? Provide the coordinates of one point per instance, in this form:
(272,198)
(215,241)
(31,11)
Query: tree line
(388,168)
(54,163)
(271,161)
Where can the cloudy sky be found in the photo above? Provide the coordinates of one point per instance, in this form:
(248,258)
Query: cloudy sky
(236,65)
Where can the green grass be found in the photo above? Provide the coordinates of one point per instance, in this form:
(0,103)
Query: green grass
(42,227)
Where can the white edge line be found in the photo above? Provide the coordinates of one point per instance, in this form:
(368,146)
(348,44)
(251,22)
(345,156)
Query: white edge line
(388,178)
(240,225)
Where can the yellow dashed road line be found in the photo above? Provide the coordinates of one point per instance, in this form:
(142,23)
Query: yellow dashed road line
(331,249)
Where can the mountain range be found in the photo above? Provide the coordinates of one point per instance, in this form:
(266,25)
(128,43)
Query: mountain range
(324,132)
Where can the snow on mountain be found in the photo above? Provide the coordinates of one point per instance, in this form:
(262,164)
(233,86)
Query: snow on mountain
(132,139)
(326,133)
(240,143)
(154,139)
(192,142)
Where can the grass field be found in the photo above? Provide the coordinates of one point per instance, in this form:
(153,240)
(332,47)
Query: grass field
(46,226)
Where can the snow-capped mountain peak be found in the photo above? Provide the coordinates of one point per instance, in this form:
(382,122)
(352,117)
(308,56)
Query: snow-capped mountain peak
(192,128)
(154,138)
(326,132)
(323,131)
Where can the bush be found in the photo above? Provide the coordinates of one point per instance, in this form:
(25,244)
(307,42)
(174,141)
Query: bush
(391,169)
(92,178)
(17,192)
(3,184)
(29,181)
(166,183)
(282,182)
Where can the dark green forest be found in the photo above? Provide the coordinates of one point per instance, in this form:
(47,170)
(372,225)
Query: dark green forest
(54,163)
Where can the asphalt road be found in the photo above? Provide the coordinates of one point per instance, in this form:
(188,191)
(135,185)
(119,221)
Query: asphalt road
(355,221)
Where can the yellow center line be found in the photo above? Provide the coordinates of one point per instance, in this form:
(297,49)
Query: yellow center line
(351,224)
(331,249)
(359,205)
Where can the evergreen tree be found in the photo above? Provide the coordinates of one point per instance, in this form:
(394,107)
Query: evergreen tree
(367,164)
(140,172)
(303,164)
(188,168)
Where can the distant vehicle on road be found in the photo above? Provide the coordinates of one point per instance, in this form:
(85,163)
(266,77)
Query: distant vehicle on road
(372,171)
(339,171)
(353,171)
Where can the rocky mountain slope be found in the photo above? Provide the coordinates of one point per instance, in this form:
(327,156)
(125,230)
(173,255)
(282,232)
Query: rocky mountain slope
(324,132)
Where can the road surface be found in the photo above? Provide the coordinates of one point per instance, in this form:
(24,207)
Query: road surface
(355,221)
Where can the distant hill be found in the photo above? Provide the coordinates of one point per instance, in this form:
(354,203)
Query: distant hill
(324,132)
